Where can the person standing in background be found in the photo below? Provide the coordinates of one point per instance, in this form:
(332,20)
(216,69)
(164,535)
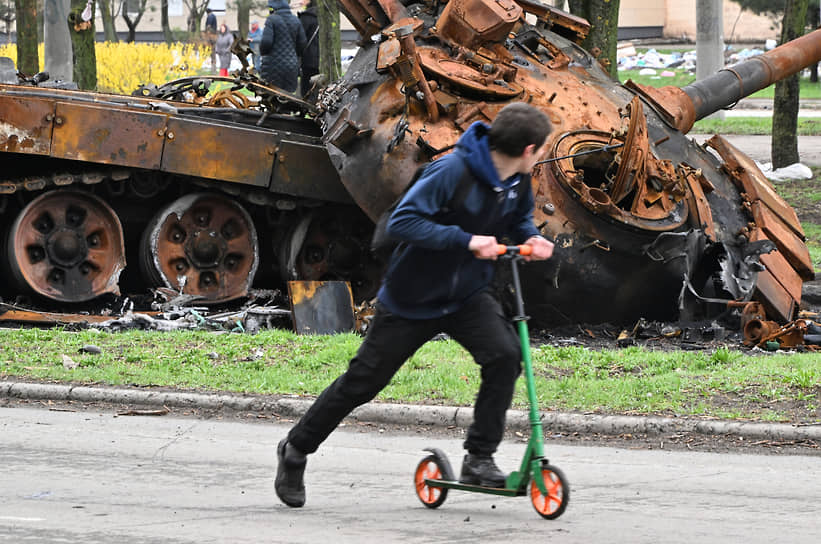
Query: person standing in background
(310,56)
(223,48)
(283,41)
(211,37)
(254,37)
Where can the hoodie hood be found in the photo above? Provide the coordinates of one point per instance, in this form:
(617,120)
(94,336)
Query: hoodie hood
(474,147)
(278,4)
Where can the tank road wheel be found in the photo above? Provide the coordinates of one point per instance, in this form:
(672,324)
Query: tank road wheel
(67,246)
(332,244)
(428,468)
(201,244)
(552,505)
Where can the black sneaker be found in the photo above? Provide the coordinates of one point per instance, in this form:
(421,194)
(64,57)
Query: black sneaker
(481,470)
(289,485)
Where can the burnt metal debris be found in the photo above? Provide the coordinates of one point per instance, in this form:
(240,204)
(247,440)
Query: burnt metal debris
(211,196)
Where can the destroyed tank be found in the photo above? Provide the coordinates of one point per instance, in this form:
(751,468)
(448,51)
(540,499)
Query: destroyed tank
(213,200)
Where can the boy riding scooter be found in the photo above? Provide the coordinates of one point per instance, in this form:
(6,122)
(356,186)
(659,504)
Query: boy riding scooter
(438,281)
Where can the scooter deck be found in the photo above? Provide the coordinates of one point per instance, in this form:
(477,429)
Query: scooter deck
(453,484)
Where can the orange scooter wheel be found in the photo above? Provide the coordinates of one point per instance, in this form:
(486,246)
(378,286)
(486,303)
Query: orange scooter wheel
(429,468)
(552,505)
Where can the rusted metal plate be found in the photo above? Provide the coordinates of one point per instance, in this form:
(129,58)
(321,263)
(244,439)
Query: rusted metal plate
(460,74)
(367,17)
(471,23)
(321,307)
(791,246)
(25,126)
(777,301)
(780,268)
(306,170)
(553,17)
(393,9)
(389,51)
(700,204)
(215,151)
(52,318)
(108,135)
(753,182)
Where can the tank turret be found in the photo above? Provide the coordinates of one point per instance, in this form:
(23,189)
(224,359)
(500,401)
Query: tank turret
(643,217)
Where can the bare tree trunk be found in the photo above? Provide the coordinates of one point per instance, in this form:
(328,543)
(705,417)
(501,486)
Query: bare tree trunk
(40,20)
(813,20)
(330,40)
(132,24)
(243,16)
(27,59)
(82,42)
(109,29)
(603,17)
(196,9)
(784,146)
(168,36)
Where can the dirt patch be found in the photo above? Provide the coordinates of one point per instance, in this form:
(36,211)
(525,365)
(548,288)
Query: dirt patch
(804,196)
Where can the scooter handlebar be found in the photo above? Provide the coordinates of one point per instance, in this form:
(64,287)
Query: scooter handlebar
(522,249)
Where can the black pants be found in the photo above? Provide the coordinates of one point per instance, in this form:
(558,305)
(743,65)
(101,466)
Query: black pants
(480,327)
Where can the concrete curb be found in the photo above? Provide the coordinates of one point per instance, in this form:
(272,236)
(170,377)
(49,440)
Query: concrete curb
(403,414)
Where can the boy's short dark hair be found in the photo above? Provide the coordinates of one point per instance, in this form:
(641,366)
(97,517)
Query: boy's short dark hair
(517,126)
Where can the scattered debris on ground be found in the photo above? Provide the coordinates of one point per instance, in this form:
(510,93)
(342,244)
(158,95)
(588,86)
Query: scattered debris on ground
(630,59)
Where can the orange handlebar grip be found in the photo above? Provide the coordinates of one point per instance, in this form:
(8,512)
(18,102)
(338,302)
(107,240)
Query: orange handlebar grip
(523,249)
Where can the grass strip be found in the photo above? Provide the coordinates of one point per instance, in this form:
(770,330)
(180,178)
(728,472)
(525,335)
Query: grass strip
(807,126)
(719,384)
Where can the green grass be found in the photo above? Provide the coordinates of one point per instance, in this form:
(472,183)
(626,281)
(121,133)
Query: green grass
(805,197)
(813,233)
(682,78)
(633,380)
(807,126)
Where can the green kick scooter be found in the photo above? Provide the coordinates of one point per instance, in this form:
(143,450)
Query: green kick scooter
(548,488)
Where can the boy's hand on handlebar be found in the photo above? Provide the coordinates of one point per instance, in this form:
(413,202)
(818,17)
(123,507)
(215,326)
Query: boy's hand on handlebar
(542,248)
(483,247)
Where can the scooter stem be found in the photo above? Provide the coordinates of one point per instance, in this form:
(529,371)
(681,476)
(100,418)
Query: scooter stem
(536,437)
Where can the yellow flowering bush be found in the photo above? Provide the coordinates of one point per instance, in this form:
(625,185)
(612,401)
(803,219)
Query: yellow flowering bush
(122,67)
(10,50)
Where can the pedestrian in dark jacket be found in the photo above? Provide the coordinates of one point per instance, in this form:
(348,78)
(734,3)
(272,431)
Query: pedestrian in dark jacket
(210,21)
(211,37)
(283,41)
(223,48)
(438,281)
(310,57)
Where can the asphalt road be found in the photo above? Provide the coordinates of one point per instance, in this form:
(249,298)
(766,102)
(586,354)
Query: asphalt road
(95,477)
(759,147)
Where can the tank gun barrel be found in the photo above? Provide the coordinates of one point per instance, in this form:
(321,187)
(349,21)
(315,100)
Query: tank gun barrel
(729,85)
(684,106)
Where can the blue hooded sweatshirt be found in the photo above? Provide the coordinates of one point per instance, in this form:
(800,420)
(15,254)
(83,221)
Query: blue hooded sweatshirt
(432,273)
